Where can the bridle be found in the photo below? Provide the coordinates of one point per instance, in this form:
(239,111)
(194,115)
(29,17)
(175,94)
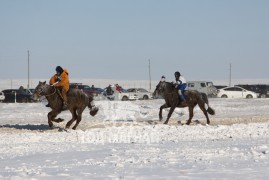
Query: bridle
(40,92)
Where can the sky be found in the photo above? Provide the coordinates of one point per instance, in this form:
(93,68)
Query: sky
(117,39)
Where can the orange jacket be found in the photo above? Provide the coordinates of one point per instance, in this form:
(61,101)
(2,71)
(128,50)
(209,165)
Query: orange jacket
(64,82)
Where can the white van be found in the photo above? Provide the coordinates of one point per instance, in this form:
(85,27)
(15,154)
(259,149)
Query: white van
(206,87)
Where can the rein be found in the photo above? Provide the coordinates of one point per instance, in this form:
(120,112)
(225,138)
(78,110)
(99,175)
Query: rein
(51,93)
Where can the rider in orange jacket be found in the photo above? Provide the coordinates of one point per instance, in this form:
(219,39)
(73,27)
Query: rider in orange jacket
(61,79)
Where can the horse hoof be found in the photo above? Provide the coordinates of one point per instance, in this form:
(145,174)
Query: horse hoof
(51,126)
(94,111)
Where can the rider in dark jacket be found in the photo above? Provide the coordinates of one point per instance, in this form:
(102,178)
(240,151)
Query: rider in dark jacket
(109,91)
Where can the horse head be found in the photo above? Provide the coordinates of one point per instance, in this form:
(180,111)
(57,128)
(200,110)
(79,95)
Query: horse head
(160,89)
(41,90)
(163,88)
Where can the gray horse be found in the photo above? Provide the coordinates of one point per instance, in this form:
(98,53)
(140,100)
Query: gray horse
(170,95)
(77,102)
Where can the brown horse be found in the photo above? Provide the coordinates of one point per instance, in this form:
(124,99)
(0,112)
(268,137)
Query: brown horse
(170,94)
(77,101)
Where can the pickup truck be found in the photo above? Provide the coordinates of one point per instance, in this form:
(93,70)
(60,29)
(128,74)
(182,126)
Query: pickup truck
(17,95)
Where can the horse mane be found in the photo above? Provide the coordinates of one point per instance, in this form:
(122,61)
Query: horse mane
(170,86)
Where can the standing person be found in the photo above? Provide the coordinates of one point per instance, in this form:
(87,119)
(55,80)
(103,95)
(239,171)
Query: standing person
(181,86)
(61,79)
(118,88)
(163,78)
(109,90)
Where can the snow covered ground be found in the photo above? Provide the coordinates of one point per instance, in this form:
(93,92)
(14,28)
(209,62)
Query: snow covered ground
(125,140)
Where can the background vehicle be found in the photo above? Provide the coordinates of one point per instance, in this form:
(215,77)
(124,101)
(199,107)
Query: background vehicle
(32,91)
(126,96)
(220,86)
(142,93)
(123,96)
(261,89)
(206,87)
(18,95)
(87,89)
(2,96)
(236,92)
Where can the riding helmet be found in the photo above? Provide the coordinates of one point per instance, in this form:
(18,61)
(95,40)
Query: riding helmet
(177,74)
(59,70)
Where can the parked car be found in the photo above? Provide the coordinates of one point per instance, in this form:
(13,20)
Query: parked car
(27,91)
(206,87)
(124,95)
(2,96)
(87,89)
(220,86)
(261,89)
(17,95)
(32,91)
(236,92)
(142,93)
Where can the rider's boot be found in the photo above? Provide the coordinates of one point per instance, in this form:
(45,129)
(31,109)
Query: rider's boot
(183,103)
(182,100)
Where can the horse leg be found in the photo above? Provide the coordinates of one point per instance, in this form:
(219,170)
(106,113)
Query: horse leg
(58,120)
(202,107)
(170,113)
(51,117)
(74,117)
(161,111)
(79,117)
(190,115)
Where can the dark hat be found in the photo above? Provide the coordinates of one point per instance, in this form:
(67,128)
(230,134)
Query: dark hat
(59,70)
(177,73)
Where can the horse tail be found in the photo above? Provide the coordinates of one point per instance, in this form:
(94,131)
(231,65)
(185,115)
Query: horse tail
(210,110)
(93,109)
